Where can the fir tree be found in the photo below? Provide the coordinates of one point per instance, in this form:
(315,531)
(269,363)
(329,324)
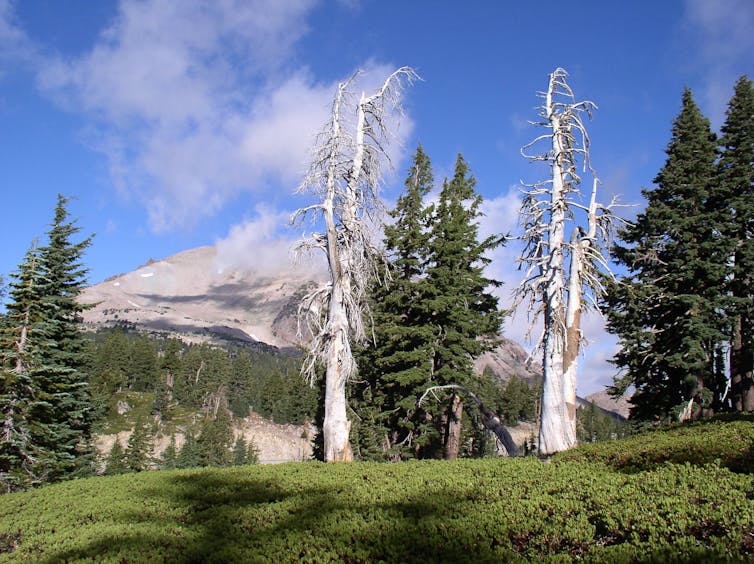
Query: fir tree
(62,412)
(252,452)
(19,456)
(216,438)
(239,452)
(168,460)
(735,200)
(116,462)
(458,306)
(139,448)
(666,310)
(396,366)
(190,455)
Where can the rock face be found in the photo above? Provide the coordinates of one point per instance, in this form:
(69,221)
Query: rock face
(603,400)
(507,360)
(191,295)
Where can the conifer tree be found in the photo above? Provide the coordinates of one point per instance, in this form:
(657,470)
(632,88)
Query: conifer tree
(190,455)
(396,366)
(667,309)
(459,307)
(168,460)
(239,452)
(139,448)
(115,463)
(252,452)
(216,439)
(19,456)
(735,199)
(62,412)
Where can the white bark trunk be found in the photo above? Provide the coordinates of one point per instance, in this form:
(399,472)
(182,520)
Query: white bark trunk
(345,174)
(554,434)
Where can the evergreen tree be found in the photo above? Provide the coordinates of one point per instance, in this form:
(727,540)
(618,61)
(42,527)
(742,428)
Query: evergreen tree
(190,455)
(239,452)
(62,413)
(168,460)
(396,367)
(139,448)
(116,462)
(735,200)
(459,307)
(252,452)
(43,341)
(667,309)
(216,438)
(19,456)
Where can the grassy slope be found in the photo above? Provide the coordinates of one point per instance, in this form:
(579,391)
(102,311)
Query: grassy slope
(682,495)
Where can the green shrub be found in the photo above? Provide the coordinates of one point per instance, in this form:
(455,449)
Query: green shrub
(588,504)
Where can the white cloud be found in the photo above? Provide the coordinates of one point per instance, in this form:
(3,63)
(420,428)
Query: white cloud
(187,105)
(724,42)
(264,245)
(15,46)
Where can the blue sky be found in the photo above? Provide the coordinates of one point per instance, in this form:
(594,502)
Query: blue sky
(179,124)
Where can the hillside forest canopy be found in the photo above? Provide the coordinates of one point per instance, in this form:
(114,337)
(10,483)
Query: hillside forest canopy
(681,305)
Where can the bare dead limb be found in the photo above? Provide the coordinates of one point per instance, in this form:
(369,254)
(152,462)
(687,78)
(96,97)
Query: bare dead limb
(489,419)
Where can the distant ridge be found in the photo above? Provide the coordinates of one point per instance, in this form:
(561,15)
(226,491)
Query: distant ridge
(191,295)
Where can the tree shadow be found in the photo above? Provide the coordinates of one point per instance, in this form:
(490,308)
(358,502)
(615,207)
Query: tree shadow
(217,517)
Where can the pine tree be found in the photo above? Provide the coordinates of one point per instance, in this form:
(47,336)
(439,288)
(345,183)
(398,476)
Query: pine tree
(43,341)
(168,460)
(239,452)
(116,462)
(190,455)
(139,448)
(19,456)
(735,200)
(396,366)
(667,309)
(252,452)
(459,307)
(216,438)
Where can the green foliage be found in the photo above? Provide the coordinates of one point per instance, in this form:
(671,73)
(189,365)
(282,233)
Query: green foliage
(139,448)
(584,505)
(666,309)
(239,452)
(216,439)
(432,316)
(252,452)
(169,458)
(593,424)
(734,199)
(190,454)
(44,395)
(181,377)
(115,462)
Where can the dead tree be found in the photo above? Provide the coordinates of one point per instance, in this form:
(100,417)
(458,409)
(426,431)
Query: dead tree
(345,176)
(489,419)
(556,290)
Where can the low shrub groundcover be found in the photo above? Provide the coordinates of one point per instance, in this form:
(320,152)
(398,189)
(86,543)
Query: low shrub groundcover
(586,504)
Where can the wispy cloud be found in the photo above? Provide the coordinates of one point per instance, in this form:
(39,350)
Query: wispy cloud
(15,45)
(260,245)
(723,40)
(187,101)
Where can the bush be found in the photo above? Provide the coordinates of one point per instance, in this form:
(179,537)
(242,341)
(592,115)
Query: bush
(585,504)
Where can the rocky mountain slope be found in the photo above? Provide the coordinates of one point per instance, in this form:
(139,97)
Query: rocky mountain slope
(191,295)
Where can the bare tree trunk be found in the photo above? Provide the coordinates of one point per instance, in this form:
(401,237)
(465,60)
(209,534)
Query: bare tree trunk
(453,432)
(547,207)
(345,173)
(554,434)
